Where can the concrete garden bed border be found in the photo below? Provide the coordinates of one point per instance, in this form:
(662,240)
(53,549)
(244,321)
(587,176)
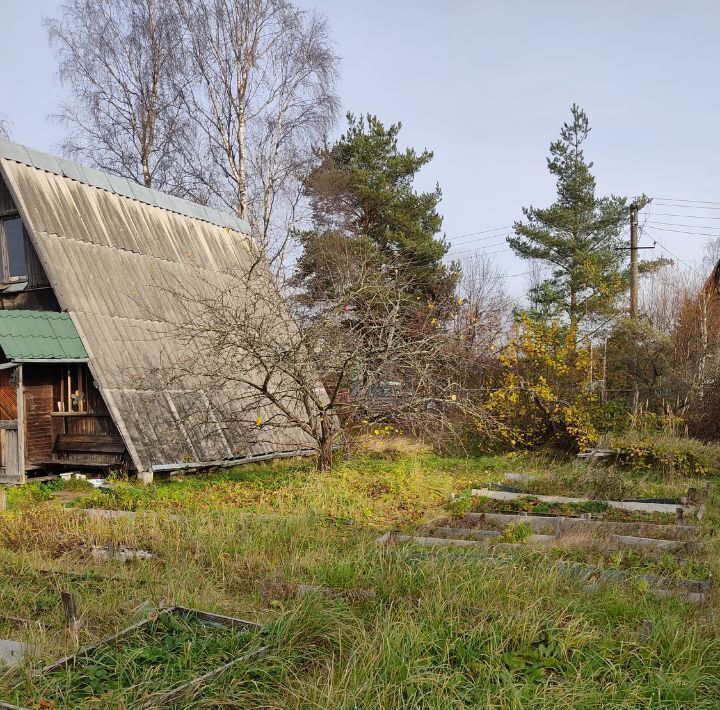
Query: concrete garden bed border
(694,590)
(669,508)
(540,522)
(630,541)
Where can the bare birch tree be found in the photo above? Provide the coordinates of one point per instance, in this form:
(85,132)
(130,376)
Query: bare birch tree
(122,62)
(4,127)
(262,94)
(486,309)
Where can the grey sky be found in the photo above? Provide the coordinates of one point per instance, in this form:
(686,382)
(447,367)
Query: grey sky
(486,85)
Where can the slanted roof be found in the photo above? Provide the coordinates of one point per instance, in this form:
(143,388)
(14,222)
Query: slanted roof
(114,257)
(39,335)
(119,186)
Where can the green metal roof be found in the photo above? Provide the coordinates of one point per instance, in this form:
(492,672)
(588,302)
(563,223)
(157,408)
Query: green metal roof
(39,335)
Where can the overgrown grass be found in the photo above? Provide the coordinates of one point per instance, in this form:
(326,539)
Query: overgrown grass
(672,455)
(408,628)
(376,488)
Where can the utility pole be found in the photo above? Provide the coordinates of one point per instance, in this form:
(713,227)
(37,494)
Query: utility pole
(634,261)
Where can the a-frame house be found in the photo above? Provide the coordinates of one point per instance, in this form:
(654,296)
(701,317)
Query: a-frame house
(81,256)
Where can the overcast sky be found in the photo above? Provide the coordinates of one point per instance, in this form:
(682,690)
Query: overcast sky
(486,85)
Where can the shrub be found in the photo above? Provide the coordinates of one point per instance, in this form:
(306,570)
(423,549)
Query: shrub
(670,454)
(543,395)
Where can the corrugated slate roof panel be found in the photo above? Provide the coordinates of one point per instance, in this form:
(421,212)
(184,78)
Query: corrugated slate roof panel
(39,335)
(117,185)
(14,151)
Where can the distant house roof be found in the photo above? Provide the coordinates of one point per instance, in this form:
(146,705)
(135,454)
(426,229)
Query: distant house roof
(39,335)
(114,254)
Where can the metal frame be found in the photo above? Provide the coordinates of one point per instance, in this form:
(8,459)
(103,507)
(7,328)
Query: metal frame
(162,698)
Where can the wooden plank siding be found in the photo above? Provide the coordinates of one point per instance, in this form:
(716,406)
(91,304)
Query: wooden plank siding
(44,388)
(8,397)
(39,398)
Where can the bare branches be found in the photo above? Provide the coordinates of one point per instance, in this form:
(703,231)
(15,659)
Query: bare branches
(371,351)
(122,63)
(221,101)
(262,94)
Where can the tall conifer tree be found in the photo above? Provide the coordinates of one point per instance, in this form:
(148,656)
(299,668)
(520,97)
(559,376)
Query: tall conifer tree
(364,202)
(578,236)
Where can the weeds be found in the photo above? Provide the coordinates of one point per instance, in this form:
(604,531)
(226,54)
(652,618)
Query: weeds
(440,629)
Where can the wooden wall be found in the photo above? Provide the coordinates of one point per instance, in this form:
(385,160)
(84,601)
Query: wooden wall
(39,396)
(8,396)
(44,423)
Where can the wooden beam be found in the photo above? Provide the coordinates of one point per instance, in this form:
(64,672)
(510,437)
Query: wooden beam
(21,427)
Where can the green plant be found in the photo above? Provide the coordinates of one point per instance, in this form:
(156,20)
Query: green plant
(515,532)
(169,651)
(669,454)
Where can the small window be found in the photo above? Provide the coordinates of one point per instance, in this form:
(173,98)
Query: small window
(13,250)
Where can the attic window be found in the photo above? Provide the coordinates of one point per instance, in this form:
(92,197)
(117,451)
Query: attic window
(14,261)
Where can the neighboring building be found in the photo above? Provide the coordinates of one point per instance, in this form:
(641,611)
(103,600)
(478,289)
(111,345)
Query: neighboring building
(84,257)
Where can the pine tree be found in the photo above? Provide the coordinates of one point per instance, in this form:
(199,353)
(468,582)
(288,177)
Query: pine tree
(578,236)
(363,201)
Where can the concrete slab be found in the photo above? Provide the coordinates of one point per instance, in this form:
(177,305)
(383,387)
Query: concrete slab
(540,523)
(670,508)
(519,477)
(12,652)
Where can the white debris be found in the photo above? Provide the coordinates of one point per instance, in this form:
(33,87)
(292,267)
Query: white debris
(120,553)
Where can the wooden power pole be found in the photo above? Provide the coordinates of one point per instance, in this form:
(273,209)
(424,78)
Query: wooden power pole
(634,261)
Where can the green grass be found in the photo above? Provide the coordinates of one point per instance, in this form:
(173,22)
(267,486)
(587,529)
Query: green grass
(441,629)
(170,651)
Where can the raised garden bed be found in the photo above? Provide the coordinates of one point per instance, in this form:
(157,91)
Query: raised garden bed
(543,523)
(149,664)
(599,510)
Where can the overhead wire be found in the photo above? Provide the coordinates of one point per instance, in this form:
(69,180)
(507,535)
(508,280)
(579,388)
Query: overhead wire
(680,199)
(685,207)
(689,226)
(682,231)
(482,248)
(484,231)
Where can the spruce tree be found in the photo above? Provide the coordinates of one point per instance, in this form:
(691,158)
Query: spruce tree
(578,236)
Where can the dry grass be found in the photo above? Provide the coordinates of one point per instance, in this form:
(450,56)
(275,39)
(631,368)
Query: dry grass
(440,629)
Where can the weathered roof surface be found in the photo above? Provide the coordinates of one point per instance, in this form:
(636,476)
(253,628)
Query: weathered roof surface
(39,335)
(114,263)
(119,186)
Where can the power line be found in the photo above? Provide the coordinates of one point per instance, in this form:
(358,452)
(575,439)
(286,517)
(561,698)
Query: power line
(674,256)
(683,216)
(486,246)
(682,231)
(475,240)
(684,207)
(689,226)
(680,199)
(484,231)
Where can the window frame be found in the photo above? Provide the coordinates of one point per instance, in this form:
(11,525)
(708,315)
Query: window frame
(5,276)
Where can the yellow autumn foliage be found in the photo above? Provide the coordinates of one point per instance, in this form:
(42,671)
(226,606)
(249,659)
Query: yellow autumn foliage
(543,395)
